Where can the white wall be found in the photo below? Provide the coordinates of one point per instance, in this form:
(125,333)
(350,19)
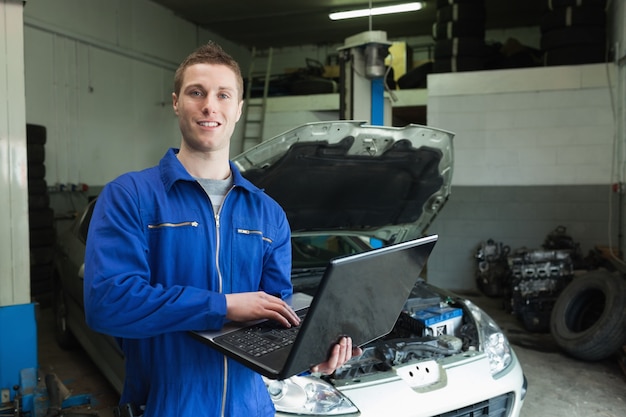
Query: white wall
(99,76)
(619,35)
(14,257)
(532,126)
(534,149)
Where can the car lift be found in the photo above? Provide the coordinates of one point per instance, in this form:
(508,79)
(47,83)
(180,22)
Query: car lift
(362,78)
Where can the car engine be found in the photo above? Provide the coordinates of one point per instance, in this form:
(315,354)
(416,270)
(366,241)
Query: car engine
(537,277)
(429,327)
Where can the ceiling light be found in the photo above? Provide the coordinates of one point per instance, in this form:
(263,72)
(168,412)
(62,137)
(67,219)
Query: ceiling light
(375,11)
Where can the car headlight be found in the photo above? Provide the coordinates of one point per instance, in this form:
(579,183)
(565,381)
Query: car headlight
(307,395)
(492,340)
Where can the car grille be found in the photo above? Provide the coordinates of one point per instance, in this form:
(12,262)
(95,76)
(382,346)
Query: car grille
(499,406)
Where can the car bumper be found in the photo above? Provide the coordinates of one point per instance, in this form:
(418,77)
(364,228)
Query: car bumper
(464,387)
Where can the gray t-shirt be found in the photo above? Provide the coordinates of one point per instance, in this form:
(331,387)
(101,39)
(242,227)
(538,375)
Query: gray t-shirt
(216,190)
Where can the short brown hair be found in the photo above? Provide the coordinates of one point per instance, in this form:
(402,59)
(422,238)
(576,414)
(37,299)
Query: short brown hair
(209,53)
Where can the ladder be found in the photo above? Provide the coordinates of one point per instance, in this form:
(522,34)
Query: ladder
(255,108)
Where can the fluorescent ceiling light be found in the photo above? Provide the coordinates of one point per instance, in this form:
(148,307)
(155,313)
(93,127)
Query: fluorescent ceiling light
(375,11)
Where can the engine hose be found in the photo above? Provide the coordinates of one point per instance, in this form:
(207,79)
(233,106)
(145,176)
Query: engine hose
(399,351)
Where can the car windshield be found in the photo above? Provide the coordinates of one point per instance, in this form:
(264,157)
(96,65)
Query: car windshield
(315,251)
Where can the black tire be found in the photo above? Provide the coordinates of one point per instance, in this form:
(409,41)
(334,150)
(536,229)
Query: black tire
(41,219)
(62,333)
(572,16)
(42,237)
(41,280)
(458,12)
(35,153)
(416,77)
(38,201)
(588,320)
(576,55)
(459,64)
(39,186)
(35,134)
(444,3)
(556,4)
(466,28)
(573,36)
(36,172)
(461,47)
(313,86)
(41,256)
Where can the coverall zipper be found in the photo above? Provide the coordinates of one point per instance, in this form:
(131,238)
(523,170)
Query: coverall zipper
(219,274)
(182,224)
(220,287)
(254,232)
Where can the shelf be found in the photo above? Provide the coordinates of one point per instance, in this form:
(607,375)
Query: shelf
(329,102)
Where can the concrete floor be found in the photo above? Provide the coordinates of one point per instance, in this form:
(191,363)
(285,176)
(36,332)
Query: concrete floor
(558,386)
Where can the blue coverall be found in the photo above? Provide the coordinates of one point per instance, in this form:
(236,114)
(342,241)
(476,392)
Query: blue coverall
(158,263)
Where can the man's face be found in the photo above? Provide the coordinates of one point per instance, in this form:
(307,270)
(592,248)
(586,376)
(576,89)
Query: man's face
(208,107)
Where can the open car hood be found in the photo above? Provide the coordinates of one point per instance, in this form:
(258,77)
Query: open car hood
(346,176)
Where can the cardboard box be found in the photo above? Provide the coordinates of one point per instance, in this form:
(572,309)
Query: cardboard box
(331,71)
(439,321)
(401,59)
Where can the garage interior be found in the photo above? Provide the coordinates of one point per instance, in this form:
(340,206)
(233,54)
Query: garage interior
(538,146)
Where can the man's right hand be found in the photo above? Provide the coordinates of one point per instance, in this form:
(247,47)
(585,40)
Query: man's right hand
(249,306)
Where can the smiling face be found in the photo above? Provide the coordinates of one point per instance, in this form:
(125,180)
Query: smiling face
(208,106)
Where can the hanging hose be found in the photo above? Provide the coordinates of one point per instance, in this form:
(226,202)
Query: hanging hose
(54,396)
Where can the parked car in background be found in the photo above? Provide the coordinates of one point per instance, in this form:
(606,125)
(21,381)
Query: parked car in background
(348,187)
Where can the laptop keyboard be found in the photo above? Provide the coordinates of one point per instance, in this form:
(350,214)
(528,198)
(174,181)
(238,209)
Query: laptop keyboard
(263,338)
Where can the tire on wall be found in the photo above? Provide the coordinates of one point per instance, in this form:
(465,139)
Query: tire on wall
(461,12)
(572,16)
(41,217)
(444,3)
(576,55)
(588,320)
(464,29)
(573,36)
(556,4)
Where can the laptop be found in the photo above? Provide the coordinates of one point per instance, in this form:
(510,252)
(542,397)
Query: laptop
(360,296)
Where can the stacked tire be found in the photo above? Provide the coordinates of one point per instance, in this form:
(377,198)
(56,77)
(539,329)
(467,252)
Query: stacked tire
(40,216)
(588,320)
(459,35)
(574,32)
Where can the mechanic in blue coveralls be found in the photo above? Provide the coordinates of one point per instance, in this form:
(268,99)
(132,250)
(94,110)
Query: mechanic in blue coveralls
(188,245)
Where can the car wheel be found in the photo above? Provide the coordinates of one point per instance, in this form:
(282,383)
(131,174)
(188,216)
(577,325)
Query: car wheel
(588,320)
(63,335)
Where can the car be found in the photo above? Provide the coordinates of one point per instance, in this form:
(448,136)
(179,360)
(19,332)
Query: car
(348,187)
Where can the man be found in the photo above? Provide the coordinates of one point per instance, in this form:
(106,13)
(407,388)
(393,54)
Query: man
(188,245)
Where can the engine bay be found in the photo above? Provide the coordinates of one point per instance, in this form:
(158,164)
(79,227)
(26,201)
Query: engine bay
(430,326)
